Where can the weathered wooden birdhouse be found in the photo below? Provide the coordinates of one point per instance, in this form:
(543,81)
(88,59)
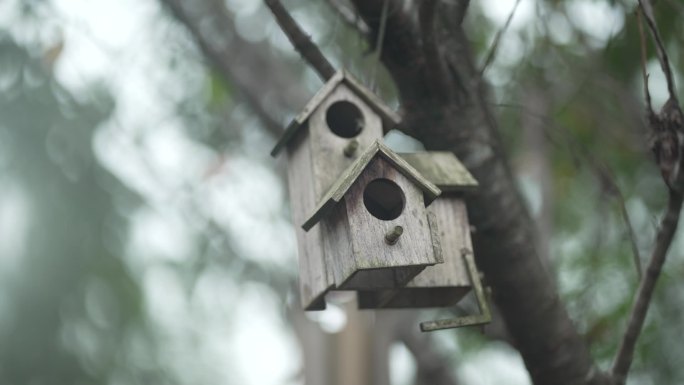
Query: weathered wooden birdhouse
(374,223)
(337,124)
(444,284)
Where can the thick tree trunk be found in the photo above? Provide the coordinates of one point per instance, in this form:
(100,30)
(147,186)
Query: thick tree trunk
(450,113)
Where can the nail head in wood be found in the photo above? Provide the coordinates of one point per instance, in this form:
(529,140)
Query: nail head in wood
(393,235)
(351,148)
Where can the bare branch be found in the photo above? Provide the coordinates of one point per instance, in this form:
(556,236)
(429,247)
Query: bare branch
(301,41)
(350,17)
(644,74)
(668,226)
(460,11)
(647,9)
(401,41)
(380,41)
(601,171)
(226,64)
(607,181)
(630,234)
(666,130)
(538,322)
(497,39)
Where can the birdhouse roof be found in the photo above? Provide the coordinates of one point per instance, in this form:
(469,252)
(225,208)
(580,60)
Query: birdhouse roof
(388,116)
(345,181)
(443,169)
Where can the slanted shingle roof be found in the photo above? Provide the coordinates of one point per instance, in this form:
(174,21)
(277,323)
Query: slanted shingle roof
(443,169)
(345,181)
(389,117)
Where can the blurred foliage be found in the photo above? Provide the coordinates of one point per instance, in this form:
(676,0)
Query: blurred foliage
(71,312)
(74,306)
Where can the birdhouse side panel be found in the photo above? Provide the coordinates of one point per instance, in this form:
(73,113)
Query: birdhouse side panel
(413,249)
(313,277)
(337,244)
(440,285)
(334,152)
(340,258)
(453,230)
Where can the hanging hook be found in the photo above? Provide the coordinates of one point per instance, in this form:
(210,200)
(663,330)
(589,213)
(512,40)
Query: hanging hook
(485,315)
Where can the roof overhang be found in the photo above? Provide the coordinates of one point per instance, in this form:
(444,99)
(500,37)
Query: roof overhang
(389,117)
(334,195)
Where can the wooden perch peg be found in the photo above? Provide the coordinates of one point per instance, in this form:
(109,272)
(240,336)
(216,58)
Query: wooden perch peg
(393,235)
(351,148)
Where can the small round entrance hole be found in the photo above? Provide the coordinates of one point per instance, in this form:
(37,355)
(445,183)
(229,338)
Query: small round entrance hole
(383,199)
(344,119)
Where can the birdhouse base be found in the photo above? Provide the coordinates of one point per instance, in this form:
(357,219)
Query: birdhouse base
(384,278)
(411,297)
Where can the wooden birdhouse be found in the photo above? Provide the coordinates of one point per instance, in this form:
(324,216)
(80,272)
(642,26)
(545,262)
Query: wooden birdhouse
(337,124)
(447,283)
(374,223)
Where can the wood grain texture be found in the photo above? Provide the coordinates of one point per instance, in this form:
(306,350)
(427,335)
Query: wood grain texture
(439,285)
(313,276)
(443,169)
(453,230)
(412,252)
(329,160)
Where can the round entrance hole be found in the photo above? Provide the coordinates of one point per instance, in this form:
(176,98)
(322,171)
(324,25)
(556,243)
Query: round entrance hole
(383,199)
(344,119)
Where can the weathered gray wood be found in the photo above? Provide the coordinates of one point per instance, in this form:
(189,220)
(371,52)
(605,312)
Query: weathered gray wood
(453,230)
(439,285)
(443,169)
(330,160)
(350,175)
(313,276)
(389,117)
(410,254)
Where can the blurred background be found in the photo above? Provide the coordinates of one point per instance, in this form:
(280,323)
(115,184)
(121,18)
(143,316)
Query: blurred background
(145,234)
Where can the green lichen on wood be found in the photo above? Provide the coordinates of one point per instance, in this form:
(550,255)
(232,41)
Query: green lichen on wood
(443,169)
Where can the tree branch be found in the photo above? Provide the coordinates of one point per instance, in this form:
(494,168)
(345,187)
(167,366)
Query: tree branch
(380,42)
(349,17)
(504,244)
(667,128)
(647,9)
(401,53)
(246,71)
(668,226)
(301,41)
(459,11)
(497,39)
(644,74)
(666,131)
(631,235)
